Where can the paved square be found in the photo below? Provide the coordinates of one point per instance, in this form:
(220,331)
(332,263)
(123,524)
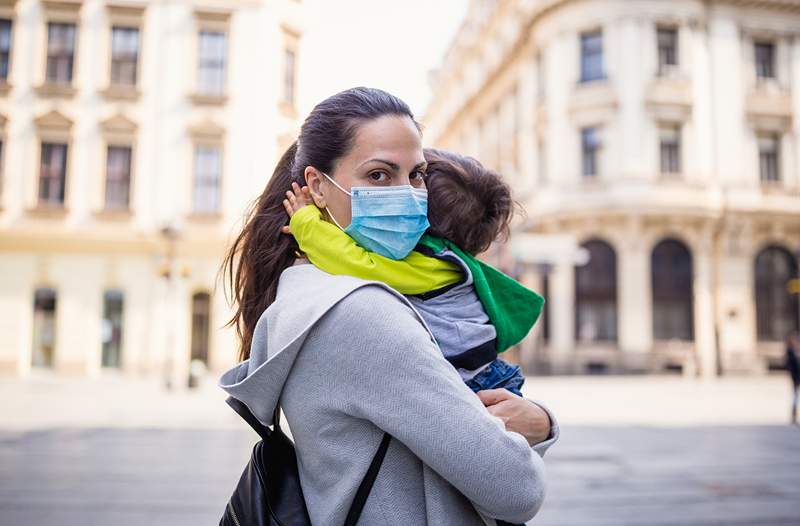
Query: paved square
(644,451)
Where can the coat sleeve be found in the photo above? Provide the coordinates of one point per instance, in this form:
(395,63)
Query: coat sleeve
(396,377)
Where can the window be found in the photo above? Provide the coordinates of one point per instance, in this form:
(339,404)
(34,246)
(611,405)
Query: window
(112,328)
(207,172)
(670,149)
(667,50)
(211,61)
(671,279)
(289,65)
(542,160)
(590,146)
(768,155)
(201,323)
(60,52)
(592,56)
(53,174)
(118,177)
(44,327)
(124,56)
(596,294)
(5,48)
(541,78)
(765,60)
(776,308)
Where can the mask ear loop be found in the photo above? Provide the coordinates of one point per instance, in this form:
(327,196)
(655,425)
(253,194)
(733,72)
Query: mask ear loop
(340,188)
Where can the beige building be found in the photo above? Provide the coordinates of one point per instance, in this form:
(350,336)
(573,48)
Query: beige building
(656,148)
(134,134)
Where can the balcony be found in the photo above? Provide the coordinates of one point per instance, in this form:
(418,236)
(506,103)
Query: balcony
(769,108)
(669,98)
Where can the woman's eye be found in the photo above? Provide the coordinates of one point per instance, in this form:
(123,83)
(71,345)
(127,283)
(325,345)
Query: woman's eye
(379,177)
(418,177)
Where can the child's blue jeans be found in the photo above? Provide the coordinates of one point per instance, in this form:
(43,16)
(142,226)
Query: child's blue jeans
(499,374)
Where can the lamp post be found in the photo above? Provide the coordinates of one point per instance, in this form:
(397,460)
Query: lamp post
(171,234)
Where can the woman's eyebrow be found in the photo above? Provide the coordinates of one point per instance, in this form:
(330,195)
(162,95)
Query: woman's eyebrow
(393,166)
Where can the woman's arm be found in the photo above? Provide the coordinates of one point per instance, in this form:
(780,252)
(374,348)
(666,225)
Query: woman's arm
(393,375)
(333,251)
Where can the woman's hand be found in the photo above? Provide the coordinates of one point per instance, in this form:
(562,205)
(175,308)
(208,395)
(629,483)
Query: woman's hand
(518,414)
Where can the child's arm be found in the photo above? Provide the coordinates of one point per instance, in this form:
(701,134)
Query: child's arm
(333,251)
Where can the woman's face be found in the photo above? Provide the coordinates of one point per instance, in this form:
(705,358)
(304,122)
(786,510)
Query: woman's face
(387,151)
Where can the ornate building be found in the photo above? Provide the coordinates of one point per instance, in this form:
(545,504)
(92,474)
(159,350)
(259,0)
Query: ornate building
(656,148)
(133,136)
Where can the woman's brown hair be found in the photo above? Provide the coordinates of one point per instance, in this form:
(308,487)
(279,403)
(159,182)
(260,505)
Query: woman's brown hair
(260,253)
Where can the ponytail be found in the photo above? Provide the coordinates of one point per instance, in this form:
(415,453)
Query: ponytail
(260,253)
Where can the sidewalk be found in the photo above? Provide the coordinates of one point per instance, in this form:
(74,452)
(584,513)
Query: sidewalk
(45,401)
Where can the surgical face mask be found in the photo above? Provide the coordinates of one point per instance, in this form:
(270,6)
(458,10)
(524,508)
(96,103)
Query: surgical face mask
(388,220)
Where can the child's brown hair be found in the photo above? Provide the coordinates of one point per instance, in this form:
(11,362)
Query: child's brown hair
(467,203)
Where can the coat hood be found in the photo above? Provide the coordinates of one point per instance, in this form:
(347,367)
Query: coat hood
(305,294)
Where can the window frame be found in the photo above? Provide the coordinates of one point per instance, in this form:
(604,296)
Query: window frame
(665,68)
(589,71)
(665,168)
(590,151)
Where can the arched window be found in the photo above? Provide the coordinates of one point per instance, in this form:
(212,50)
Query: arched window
(776,308)
(596,294)
(44,327)
(673,306)
(201,322)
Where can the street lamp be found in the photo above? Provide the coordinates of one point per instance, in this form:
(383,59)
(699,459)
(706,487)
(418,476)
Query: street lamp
(171,234)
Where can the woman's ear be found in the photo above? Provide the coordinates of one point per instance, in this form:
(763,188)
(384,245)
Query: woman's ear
(314,181)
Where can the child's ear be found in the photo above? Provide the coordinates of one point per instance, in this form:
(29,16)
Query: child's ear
(314,181)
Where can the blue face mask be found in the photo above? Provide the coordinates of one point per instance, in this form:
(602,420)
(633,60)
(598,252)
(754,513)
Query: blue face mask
(387,220)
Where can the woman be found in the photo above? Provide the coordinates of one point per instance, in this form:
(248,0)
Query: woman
(349,359)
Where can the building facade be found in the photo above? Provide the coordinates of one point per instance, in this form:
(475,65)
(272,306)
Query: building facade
(133,136)
(655,146)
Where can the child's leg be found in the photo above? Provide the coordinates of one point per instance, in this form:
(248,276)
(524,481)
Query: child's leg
(498,375)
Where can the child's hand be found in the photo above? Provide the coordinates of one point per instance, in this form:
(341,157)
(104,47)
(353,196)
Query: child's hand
(296,198)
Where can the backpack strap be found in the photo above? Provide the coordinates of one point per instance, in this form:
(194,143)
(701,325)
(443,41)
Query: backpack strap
(366,484)
(239,406)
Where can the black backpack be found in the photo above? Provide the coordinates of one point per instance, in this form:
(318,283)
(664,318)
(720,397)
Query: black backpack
(269,491)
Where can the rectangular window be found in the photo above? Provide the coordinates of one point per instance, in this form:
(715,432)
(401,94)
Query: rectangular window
(124,55)
(590,146)
(768,157)
(670,138)
(5,48)
(667,50)
(289,65)
(211,63)
(118,177)
(60,52)
(765,60)
(592,56)
(44,327)
(53,174)
(207,174)
(112,328)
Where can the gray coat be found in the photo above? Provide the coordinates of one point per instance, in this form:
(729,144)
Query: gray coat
(348,359)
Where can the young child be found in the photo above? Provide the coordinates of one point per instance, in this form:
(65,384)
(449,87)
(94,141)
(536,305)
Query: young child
(474,311)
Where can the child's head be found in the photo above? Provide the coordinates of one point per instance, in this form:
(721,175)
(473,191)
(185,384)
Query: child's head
(467,203)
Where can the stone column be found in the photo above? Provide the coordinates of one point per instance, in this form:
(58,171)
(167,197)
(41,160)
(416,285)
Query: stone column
(634,303)
(562,317)
(704,323)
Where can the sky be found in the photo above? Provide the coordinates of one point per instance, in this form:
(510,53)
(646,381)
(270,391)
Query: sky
(387,44)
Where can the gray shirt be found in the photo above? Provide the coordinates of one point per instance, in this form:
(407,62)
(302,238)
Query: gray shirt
(348,359)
